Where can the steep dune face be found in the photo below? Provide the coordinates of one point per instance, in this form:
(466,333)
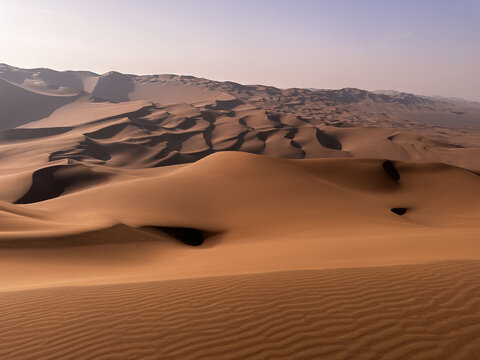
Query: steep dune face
(114,86)
(50,182)
(19,106)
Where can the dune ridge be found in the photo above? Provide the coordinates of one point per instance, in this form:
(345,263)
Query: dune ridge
(307,214)
(174,217)
(167,119)
(140,135)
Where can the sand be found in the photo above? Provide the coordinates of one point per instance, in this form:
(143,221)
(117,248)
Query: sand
(397,312)
(171,217)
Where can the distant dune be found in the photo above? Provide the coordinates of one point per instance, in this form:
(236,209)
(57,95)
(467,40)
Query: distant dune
(173,217)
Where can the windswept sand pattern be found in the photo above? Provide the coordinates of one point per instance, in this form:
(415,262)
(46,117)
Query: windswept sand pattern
(105,181)
(425,311)
(151,136)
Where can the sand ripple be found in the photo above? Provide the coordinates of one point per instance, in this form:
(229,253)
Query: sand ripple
(427,311)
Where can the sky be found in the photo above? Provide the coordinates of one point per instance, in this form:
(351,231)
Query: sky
(428,47)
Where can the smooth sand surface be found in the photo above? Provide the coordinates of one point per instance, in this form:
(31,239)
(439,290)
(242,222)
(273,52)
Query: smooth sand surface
(258,214)
(172,217)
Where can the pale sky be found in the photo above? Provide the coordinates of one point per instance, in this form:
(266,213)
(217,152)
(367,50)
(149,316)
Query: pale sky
(429,47)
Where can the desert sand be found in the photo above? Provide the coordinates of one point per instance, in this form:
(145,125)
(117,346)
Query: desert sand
(172,217)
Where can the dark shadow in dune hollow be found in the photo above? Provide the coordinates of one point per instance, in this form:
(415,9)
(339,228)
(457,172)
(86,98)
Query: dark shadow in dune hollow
(53,181)
(188,236)
(399,211)
(391,170)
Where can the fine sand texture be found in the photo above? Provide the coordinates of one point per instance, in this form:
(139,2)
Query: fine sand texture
(429,311)
(173,217)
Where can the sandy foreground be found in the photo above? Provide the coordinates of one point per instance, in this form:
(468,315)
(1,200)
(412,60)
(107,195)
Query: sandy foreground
(221,227)
(285,270)
(427,311)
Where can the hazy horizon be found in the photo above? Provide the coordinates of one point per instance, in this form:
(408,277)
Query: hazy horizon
(422,47)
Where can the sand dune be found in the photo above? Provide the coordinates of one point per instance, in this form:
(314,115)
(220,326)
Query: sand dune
(86,110)
(292,123)
(173,217)
(336,107)
(328,206)
(57,180)
(137,134)
(20,105)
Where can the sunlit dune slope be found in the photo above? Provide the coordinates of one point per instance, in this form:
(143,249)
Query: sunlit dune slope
(253,214)
(173,217)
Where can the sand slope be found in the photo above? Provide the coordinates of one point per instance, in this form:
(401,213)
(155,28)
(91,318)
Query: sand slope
(19,105)
(137,134)
(254,213)
(180,119)
(173,217)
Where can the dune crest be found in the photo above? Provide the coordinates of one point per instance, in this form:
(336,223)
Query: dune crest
(327,205)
